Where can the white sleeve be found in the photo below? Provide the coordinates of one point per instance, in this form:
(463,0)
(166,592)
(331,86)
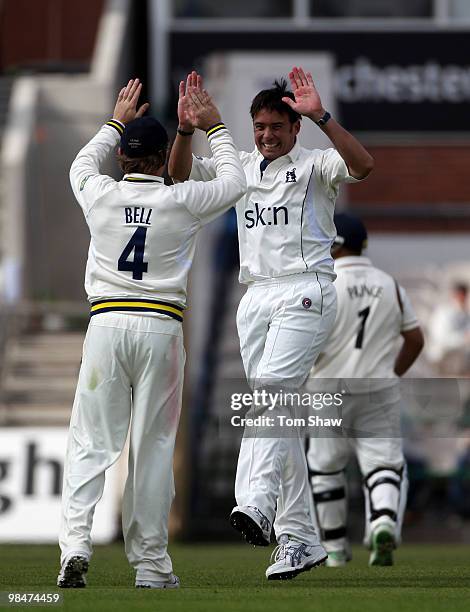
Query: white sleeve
(334,171)
(203,169)
(208,200)
(409,320)
(88,185)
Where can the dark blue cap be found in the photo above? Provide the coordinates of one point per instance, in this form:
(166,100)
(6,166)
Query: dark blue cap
(351,232)
(143,136)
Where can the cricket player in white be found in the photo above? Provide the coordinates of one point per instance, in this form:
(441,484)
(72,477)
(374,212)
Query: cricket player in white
(285,229)
(143,237)
(363,352)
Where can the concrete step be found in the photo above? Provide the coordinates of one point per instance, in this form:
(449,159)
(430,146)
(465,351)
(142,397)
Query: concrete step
(16,384)
(39,370)
(39,414)
(34,398)
(55,344)
(19,356)
(46,349)
(40,377)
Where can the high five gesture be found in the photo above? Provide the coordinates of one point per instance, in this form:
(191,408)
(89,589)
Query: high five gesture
(308,103)
(126,110)
(307,100)
(196,108)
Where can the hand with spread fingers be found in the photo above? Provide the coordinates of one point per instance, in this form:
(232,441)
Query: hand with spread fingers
(126,104)
(307,99)
(203,111)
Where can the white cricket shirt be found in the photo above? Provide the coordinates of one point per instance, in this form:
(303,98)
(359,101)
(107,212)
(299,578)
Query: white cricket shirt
(143,233)
(285,219)
(372,312)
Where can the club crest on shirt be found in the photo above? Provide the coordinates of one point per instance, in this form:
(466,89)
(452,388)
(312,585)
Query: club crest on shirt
(307,303)
(290,176)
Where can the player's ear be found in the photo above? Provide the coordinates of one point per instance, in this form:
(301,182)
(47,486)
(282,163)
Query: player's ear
(119,151)
(296,127)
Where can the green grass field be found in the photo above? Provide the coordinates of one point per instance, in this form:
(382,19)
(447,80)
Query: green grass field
(230,578)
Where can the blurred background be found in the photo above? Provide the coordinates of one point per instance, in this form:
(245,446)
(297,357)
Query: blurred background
(396,73)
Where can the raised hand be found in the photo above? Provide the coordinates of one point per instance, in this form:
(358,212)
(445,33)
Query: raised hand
(185,110)
(307,100)
(203,111)
(126,104)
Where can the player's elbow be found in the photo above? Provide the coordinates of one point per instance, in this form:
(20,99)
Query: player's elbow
(240,186)
(173,173)
(369,164)
(235,185)
(176,177)
(74,171)
(364,167)
(414,341)
(177,172)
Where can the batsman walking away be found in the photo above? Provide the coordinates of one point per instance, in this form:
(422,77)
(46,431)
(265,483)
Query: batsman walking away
(361,355)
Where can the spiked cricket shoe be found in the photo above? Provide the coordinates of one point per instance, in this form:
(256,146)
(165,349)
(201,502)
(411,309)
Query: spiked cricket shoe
(72,573)
(252,524)
(383,545)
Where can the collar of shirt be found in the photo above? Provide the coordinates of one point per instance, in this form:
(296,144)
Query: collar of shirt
(291,156)
(352,260)
(135,177)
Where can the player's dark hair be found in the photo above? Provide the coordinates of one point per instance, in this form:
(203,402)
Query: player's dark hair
(142,165)
(345,251)
(271,100)
(460,287)
(356,252)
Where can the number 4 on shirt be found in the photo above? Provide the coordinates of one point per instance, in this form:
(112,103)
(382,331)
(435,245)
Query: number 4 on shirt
(137,244)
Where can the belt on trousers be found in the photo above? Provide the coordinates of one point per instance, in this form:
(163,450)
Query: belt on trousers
(129,305)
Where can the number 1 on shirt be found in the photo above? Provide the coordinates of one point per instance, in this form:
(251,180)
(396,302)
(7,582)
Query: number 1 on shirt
(360,336)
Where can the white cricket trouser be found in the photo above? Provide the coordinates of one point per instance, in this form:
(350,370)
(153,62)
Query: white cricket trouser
(131,373)
(282,325)
(381,461)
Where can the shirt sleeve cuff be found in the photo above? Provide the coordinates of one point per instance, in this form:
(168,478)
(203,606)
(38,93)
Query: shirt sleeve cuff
(215,128)
(117,125)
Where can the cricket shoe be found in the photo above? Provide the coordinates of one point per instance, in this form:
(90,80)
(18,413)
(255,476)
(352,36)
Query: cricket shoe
(338,558)
(291,558)
(383,545)
(72,573)
(173,582)
(252,524)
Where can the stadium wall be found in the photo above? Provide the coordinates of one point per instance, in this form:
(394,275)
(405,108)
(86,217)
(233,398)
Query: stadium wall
(64,33)
(421,172)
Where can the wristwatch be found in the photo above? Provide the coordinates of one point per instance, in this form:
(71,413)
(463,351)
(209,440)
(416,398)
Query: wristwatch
(183,133)
(326,117)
